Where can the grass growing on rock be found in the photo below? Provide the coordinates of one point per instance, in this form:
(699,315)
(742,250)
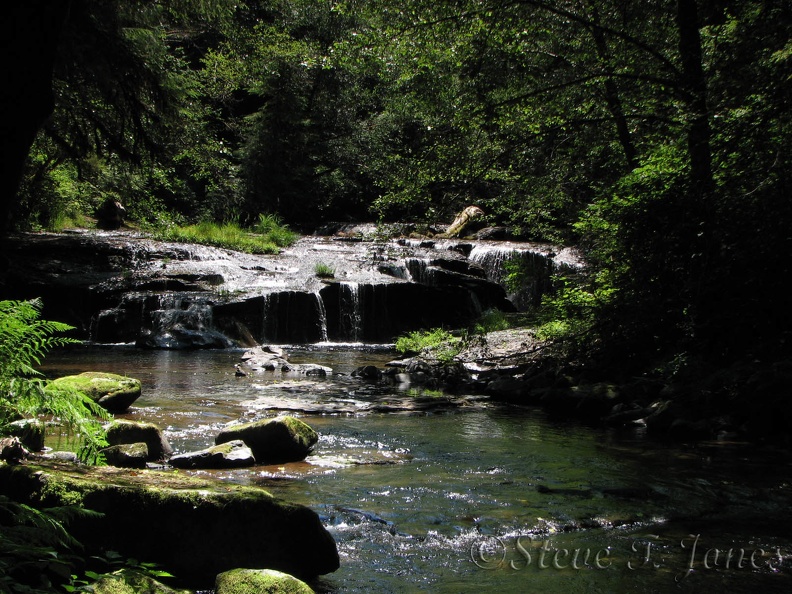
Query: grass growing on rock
(441,343)
(268,236)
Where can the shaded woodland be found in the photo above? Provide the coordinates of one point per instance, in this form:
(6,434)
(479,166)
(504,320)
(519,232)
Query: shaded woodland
(655,136)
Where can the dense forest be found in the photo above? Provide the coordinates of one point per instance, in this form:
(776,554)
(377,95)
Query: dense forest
(654,135)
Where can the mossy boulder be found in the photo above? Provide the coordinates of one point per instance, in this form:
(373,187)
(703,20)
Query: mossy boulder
(127,581)
(259,581)
(127,455)
(29,431)
(273,441)
(122,431)
(191,527)
(232,454)
(114,393)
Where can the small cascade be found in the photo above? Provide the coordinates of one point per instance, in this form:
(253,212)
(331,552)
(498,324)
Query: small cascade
(168,320)
(178,321)
(293,316)
(351,312)
(321,316)
(418,270)
(535,267)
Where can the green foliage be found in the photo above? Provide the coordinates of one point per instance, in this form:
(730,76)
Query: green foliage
(272,227)
(232,236)
(24,339)
(491,320)
(114,566)
(571,312)
(37,553)
(438,342)
(323,270)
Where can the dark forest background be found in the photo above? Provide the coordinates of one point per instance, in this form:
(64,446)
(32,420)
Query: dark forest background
(654,135)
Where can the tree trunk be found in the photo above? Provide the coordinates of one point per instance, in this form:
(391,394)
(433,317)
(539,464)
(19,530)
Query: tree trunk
(694,83)
(29,35)
(612,97)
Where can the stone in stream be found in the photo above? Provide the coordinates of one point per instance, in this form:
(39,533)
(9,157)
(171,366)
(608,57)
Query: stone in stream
(232,454)
(122,431)
(273,441)
(115,393)
(193,527)
(127,455)
(250,581)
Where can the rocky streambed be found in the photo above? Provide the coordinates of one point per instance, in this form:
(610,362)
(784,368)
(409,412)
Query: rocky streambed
(124,287)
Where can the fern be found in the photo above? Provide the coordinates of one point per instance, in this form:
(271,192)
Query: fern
(36,550)
(24,340)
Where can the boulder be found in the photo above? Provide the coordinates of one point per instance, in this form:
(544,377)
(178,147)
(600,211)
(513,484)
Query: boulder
(255,581)
(194,528)
(265,358)
(127,455)
(29,431)
(124,432)
(110,215)
(232,454)
(273,441)
(114,393)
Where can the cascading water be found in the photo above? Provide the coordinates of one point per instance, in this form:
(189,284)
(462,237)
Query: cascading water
(351,312)
(176,320)
(535,269)
(322,316)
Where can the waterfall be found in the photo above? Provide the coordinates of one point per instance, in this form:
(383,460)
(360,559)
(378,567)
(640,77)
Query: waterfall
(322,316)
(351,312)
(418,270)
(536,269)
(177,320)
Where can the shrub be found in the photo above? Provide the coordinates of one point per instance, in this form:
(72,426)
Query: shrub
(440,343)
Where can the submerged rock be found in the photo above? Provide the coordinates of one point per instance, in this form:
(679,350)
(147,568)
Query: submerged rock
(193,528)
(115,393)
(232,454)
(273,441)
(255,581)
(125,432)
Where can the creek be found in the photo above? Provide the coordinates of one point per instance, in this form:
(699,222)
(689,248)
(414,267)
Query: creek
(424,492)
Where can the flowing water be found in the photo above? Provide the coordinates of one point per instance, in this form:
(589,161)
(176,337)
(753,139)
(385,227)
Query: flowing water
(424,492)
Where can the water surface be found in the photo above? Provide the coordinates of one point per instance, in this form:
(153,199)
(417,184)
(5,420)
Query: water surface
(424,492)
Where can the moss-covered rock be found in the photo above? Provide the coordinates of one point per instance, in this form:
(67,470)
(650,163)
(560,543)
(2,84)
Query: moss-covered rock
(114,393)
(273,441)
(127,455)
(122,431)
(128,581)
(259,581)
(29,431)
(194,528)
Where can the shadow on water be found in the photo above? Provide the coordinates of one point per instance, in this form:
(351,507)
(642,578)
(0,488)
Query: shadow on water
(465,496)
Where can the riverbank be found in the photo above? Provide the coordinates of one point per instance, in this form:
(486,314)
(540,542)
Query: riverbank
(745,401)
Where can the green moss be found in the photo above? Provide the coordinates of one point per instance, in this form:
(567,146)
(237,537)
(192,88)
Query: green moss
(128,581)
(99,384)
(258,581)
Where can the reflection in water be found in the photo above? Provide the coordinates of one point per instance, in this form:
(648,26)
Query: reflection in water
(481,497)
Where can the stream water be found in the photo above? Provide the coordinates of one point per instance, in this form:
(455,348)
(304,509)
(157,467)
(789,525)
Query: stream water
(427,493)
